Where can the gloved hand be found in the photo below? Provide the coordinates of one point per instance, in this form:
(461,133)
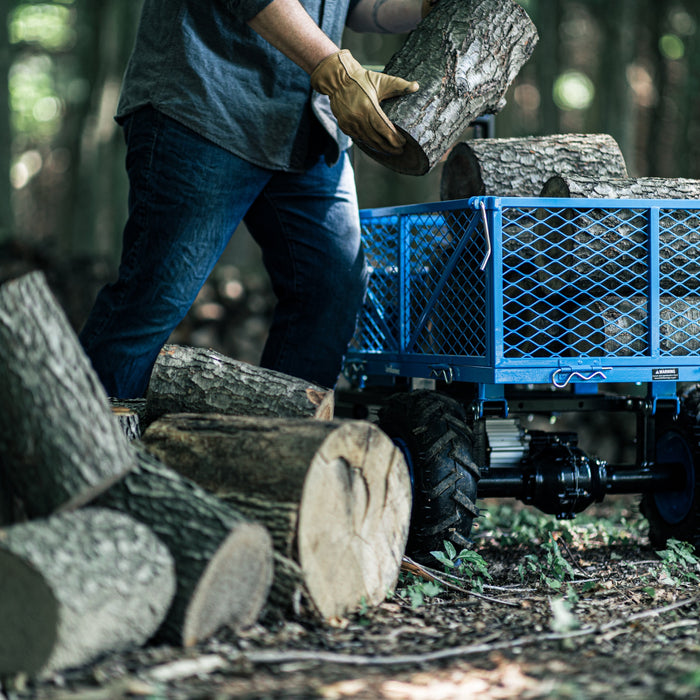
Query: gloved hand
(355,94)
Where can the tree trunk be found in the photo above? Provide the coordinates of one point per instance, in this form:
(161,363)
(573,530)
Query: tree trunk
(194,380)
(464,55)
(223,562)
(517,167)
(335,495)
(623,188)
(77,585)
(59,442)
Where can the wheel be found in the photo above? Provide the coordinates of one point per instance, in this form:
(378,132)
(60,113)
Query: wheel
(676,514)
(432,431)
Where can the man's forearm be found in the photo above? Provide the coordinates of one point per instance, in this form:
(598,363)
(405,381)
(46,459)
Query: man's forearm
(389,16)
(289,28)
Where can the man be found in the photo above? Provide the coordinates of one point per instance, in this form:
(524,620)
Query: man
(222,125)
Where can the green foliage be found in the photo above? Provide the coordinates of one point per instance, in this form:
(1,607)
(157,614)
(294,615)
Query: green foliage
(551,567)
(468,565)
(680,564)
(417,589)
(49,25)
(517,525)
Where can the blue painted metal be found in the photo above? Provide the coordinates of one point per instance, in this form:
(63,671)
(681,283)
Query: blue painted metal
(575,291)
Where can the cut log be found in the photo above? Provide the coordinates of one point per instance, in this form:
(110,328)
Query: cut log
(517,167)
(77,585)
(58,439)
(464,54)
(223,562)
(194,380)
(561,185)
(336,495)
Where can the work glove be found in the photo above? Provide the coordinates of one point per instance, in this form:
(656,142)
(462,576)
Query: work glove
(355,94)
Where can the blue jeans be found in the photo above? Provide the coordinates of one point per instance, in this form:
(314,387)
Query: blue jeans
(187,196)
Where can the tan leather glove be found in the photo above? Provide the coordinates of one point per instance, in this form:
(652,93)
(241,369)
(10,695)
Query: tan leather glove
(355,94)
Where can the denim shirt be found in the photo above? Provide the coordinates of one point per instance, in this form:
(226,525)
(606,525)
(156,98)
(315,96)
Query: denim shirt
(199,62)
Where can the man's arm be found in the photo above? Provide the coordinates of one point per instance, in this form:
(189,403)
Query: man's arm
(288,27)
(354,92)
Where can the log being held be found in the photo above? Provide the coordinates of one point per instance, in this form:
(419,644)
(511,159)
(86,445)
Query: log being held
(464,54)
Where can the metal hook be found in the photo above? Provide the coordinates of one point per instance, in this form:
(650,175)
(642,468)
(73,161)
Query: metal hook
(583,377)
(487,236)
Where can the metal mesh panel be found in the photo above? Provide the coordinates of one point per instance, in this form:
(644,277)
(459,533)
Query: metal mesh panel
(679,280)
(567,277)
(378,325)
(582,279)
(426,292)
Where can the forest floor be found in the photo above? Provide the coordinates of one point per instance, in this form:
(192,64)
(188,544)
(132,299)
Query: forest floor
(577,609)
(580,609)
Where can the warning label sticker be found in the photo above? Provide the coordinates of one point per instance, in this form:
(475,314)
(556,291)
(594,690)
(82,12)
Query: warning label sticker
(664,374)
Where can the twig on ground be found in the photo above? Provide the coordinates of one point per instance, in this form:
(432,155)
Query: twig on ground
(417,569)
(281,657)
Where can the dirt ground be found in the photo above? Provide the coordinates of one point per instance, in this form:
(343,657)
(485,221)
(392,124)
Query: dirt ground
(615,623)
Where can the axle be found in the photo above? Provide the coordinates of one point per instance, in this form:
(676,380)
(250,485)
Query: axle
(554,475)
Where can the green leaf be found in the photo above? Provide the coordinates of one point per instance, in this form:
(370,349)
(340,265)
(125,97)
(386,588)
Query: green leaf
(450,549)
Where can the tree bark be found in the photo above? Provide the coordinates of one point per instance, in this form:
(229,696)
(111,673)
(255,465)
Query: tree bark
(336,495)
(464,55)
(620,188)
(194,380)
(517,167)
(77,585)
(59,442)
(223,562)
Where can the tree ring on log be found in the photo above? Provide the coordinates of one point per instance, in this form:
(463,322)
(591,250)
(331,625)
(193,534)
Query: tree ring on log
(353,520)
(29,611)
(230,570)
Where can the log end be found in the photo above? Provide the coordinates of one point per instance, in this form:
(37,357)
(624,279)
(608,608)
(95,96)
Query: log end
(412,161)
(29,614)
(461,175)
(555,186)
(234,586)
(353,519)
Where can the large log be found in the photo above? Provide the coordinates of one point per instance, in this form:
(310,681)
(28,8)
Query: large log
(223,562)
(195,380)
(77,585)
(336,495)
(58,439)
(464,54)
(517,167)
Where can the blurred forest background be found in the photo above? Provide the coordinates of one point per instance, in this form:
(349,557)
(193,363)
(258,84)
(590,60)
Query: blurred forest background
(629,68)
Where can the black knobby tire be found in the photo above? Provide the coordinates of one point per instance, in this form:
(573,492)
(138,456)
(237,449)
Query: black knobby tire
(677,515)
(433,431)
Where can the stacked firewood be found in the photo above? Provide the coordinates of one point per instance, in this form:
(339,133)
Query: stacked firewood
(228,491)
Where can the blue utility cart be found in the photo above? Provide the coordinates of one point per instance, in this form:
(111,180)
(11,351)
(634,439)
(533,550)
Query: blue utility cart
(484,310)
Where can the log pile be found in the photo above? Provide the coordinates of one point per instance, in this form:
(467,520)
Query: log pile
(117,547)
